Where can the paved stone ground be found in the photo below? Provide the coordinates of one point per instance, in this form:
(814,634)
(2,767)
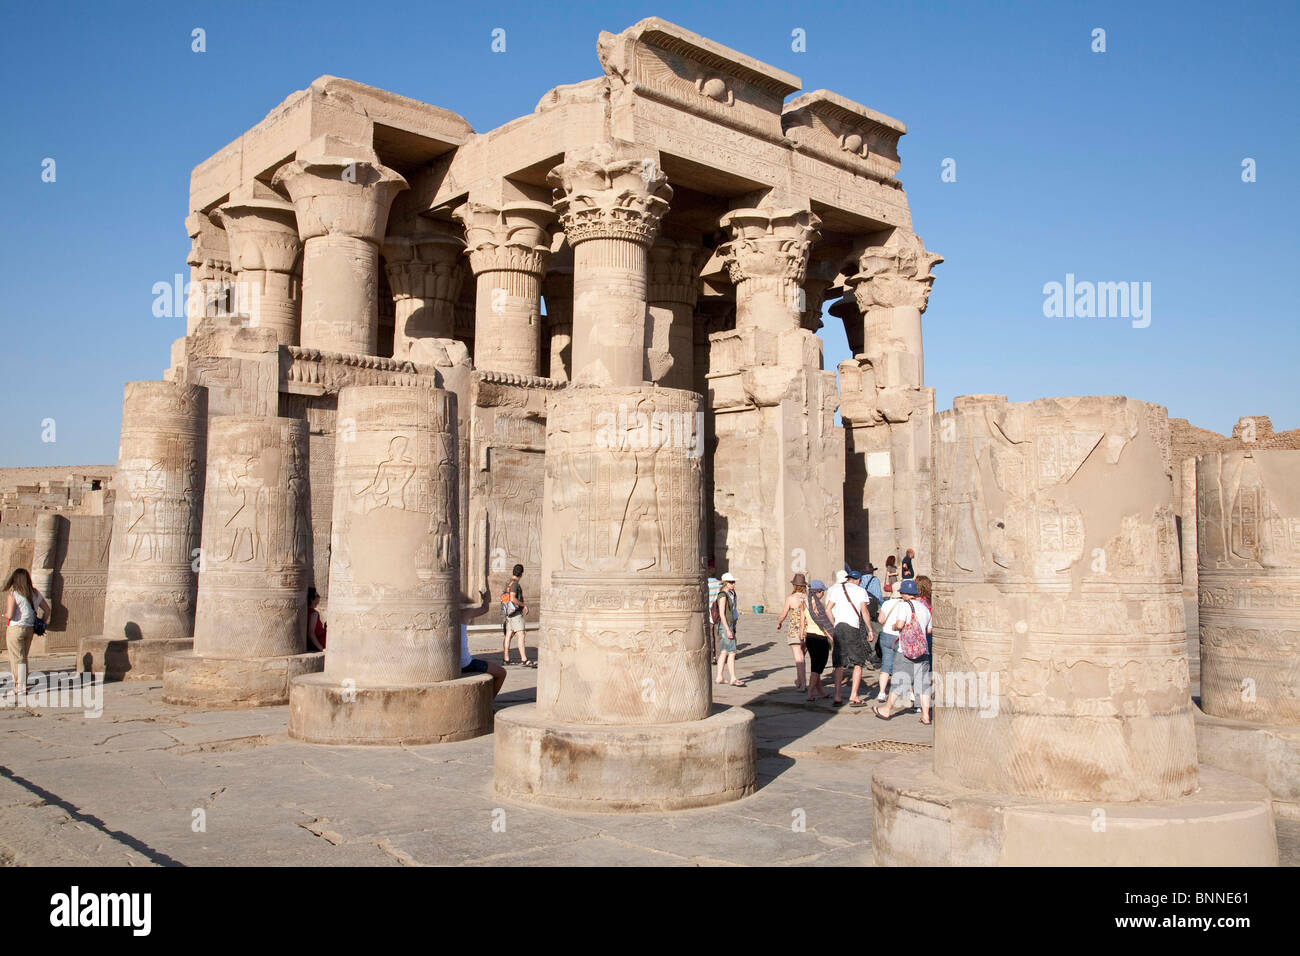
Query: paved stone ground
(123,789)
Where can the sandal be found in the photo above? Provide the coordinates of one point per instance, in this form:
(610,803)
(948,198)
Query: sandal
(530,663)
(876,711)
(927,722)
(857,703)
(837,703)
(739,683)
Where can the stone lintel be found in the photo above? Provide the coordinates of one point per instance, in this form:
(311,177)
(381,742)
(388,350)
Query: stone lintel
(844,133)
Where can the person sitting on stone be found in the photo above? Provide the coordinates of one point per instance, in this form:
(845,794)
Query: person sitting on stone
(476,665)
(794,607)
(315,626)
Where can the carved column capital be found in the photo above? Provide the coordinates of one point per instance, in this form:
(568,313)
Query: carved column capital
(769,243)
(340,195)
(895,274)
(424,267)
(262,230)
(513,237)
(599,196)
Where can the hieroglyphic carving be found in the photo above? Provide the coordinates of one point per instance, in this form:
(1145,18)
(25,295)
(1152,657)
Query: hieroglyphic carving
(151,581)
(1056,574)
(255,562)
(394,619)
(622,521)
(1248,536)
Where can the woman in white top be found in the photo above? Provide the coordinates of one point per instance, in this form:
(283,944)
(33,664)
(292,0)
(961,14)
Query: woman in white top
(906,672)
(23,605)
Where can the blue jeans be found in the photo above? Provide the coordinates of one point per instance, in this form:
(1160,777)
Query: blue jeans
(888,648)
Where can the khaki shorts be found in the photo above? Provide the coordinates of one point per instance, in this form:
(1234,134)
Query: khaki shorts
(515,624)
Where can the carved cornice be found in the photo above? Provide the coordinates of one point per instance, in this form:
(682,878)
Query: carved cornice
(515,237)
(769,243)
(895,274)
(598,196)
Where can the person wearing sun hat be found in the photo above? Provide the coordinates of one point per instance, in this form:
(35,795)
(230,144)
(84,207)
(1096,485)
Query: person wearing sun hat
(725,609)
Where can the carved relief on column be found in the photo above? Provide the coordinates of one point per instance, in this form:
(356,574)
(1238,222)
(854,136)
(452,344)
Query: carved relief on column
(508,248)
(264,249)
(767,259)
(821,275)
(674,289)
(342,195)
(425,272)
(256,558)
(1248,539)
(623,608)
(395,568)
(892,288)
(152,581)
(1056,582)
(610,209)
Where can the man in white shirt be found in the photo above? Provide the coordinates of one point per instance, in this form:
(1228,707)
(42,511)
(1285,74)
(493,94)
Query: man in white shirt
(846,603)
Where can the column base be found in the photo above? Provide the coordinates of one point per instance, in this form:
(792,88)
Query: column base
(1266,753)
(226,683)
(611,769)
(120,659)
(921,820)
(323,711)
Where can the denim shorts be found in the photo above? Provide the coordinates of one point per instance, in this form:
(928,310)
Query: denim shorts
(888,647)
(727,644)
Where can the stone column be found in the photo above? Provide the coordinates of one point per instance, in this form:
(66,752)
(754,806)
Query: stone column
(152,565)
(425,273)
(558,289)
(610,209)
(893,410)
(1248,538)
(1187,525)
(622,719)
(264,249)
(392,673)
(342,194)
(45,554)
(508,247)
(1060,655)
(255,565)
(674,289)
(778,463)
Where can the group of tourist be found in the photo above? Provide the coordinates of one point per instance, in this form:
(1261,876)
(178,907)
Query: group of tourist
(859,622)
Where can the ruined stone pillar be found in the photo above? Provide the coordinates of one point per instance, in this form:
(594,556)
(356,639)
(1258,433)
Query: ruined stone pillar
(508,247)
(889,488)
(674,290)
(1187,528)
(622,720)
(392,672)
(610,209)
(1061,667)
(152,572)
(250,626)
(425,273)
(342,194)
(264,250)
(210,270)
(778,465)
(1248,538)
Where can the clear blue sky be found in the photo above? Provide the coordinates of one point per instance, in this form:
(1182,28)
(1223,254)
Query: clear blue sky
(1115,166)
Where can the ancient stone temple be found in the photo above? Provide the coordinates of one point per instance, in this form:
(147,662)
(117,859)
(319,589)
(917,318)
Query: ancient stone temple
(1066,729)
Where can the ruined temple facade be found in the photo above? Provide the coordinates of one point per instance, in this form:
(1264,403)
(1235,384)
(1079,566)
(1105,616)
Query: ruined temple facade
(678,221)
